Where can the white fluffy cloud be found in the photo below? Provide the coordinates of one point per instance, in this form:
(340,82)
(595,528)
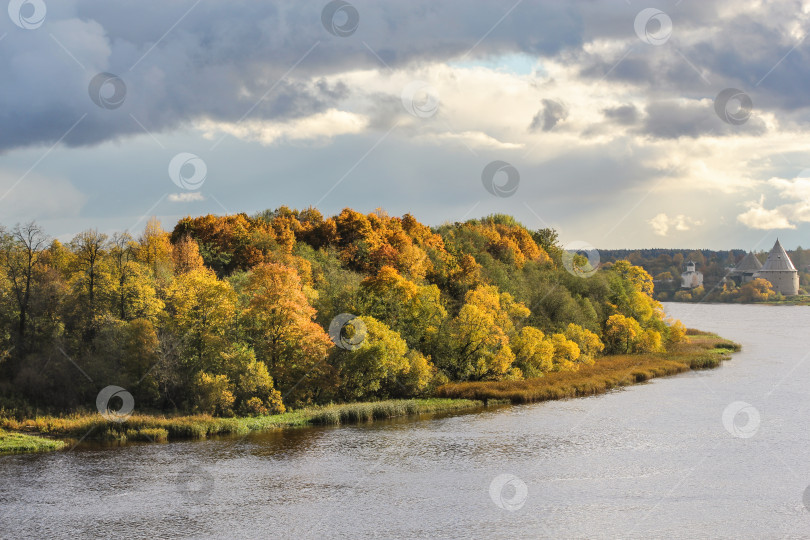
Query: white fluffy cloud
(759,217)
(186,197)
(317,127)
(784,216)
(661,224)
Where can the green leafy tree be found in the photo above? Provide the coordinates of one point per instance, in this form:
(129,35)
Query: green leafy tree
(414,311)
(374,369)
(201,313)
(20,255)
(213,394)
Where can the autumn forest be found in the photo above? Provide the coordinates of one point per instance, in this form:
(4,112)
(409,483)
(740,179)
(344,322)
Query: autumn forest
(231,315)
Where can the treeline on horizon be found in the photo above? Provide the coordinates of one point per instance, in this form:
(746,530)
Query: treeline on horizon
(229,314)
(666,265)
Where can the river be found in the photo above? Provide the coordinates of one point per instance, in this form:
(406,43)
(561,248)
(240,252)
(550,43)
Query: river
(669,458)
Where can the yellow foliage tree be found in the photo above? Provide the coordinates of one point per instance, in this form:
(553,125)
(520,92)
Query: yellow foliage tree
(756,290)
(479,347)
(590,345)
(677,332)
(621,333)
(479,335)
(415,311)
(186,255)
(201,311)
(534,354)
(566,353)
(213,394)
(154,248)
(649,341)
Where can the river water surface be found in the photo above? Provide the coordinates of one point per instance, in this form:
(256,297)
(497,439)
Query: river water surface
(652,460)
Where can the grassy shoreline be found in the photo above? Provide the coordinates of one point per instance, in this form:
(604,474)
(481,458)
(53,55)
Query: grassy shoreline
(148,428)
(704,351)
(18,443)
(790,301)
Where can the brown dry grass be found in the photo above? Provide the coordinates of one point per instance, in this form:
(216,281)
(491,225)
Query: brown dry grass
(702,352)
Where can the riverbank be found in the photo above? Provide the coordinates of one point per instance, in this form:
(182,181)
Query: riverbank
(801,300)
(18,443)
(148,428)
(703,351)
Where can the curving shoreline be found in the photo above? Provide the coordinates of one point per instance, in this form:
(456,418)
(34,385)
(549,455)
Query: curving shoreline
(704,351)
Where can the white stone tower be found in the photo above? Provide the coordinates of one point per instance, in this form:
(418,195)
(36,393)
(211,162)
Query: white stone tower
(779,270)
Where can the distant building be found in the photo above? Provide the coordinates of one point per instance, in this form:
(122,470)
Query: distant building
(779,270)
(746,269)
(691,278)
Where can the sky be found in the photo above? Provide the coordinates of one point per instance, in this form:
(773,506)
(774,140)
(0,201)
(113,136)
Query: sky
(619,123)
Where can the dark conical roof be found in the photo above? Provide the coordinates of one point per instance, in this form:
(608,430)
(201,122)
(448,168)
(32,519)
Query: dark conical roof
(750,263)
(778,260)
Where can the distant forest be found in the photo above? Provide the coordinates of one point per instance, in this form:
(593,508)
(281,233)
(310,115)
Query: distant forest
(666,265)
(252,314)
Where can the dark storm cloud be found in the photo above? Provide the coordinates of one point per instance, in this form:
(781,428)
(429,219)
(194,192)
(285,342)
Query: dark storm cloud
(217,60)
(673,119)
(183,62)
(549,116)
(625,115)
(710,49)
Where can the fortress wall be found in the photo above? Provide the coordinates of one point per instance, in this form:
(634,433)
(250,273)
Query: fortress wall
(785,282)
